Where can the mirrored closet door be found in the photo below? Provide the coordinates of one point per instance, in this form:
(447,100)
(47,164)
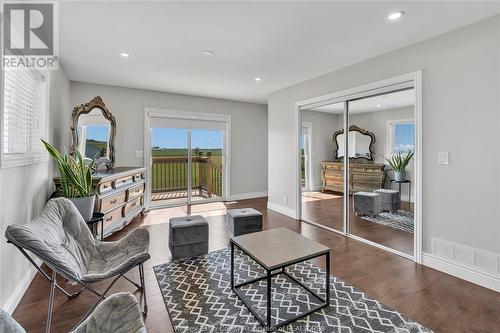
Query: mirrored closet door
(361,181)
(322,175)
(381,169)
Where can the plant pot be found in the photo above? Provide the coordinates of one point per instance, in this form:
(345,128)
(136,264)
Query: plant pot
(85,206)
(399,176)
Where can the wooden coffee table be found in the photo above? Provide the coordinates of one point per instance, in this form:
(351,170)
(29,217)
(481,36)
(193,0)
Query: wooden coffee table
(274,250)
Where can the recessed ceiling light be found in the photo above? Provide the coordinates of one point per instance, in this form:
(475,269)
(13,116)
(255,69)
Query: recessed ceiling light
(379,106)
(207,52)
(258,79)
(125,55)
(395,16)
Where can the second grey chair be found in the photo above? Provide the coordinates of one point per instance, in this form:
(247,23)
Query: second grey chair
(119,313)
(61,239)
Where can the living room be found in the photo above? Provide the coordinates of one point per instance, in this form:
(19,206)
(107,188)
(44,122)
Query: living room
(210,193)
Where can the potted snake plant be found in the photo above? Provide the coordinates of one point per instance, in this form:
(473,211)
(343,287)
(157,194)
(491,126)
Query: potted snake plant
(398,163)
(76,179)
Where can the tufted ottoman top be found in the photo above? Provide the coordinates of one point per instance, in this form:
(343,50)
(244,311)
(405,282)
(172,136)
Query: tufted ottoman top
(243,212)
(187,221)
(366,194)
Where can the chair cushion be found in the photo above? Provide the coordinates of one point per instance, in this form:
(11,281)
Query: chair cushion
(119,313)
(112,258)
(8,324)
(59,236)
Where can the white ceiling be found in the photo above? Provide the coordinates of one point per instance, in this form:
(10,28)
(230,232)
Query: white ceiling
(388,101)
(282,42)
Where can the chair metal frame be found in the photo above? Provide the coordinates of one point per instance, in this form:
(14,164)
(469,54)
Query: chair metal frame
(85,285)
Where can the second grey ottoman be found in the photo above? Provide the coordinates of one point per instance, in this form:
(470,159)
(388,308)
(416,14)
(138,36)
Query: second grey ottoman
(188,236)
(366,203)
(390,199)
(243,221)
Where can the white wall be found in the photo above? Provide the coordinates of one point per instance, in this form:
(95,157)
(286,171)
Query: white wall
(377,122)
(323,127)
(24,192)
(248,127)
(461,114)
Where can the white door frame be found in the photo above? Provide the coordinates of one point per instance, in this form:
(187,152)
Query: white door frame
(308,156)
(189,115)
(390,84)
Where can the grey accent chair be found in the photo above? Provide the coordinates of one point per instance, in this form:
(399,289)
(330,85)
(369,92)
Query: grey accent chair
(119,313)
(62,240)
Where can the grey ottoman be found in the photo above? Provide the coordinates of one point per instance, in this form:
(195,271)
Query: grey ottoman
(366,203)
(188,236)
(243,221)
(390,199)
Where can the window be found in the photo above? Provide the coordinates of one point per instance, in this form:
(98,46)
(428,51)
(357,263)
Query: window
(402,136)
(24,117)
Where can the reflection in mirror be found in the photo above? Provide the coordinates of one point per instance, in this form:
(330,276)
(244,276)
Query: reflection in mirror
(383,207)
(321,175)
(93,130)
(359,145)
(93,134)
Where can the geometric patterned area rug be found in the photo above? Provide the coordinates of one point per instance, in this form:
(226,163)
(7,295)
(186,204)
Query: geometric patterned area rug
(198,297)
(400,219)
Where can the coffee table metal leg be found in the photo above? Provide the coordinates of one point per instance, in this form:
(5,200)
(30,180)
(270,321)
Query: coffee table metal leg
(327,281)
(269,301)
(232,266)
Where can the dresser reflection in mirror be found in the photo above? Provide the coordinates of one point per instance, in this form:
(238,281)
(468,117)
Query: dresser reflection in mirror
(364,175)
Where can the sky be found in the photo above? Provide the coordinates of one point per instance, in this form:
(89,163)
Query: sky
(404,138)
(177,138)
(99,133)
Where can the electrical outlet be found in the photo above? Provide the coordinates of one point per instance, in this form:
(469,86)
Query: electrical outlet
(285,199)
(443,158)
(139,153)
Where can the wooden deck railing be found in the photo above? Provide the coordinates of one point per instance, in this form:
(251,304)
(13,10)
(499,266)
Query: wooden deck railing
(170,174)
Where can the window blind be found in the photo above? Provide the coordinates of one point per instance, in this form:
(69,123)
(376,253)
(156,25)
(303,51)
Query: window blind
(24,116)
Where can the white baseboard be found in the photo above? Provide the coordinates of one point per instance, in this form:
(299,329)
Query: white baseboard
(18,292)
(462,271)
(282,210)
(249,195)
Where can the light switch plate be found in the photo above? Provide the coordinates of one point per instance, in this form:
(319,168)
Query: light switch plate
(139,153)
(444,158)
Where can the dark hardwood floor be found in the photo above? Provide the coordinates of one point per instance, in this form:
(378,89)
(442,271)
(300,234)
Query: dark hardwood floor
(327,209)
(439,301)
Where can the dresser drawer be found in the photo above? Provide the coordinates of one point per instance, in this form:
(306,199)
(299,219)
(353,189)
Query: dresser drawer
(111,201)
(138,177)
(105,187)
(124,181)
(111,217)
(135,191)
(337,166)
(131,206)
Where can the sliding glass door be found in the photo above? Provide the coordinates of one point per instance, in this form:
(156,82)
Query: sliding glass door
(187,161)
(206,164)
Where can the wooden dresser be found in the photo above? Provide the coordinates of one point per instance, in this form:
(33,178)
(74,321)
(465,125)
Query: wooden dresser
(119,196)
(362,176)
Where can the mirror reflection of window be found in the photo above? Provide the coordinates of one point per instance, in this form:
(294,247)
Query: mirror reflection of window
(94,140)
(403,137)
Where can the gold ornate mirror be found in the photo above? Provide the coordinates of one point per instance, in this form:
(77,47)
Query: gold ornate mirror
(93,130)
